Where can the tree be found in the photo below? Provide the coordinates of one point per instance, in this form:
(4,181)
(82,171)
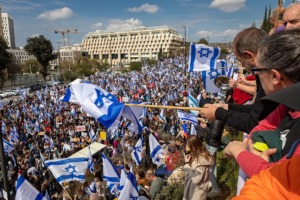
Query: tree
(203,41)
(30,66)
(42,49)
(5,59)
(136,66)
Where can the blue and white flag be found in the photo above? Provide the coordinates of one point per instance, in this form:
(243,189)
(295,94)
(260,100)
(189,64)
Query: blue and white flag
(122,180)
(26,191)
(182,116)
(92,134)
(130,189)
(95,101)
(73,112)
(8,147)
(68,169)
(193,130)
(110,174)
(208,77)
(3,127)
(14,136)
(90,161)
(155,150)
(47,195)
(193,103)
(92,187)
(162,116)
(137,151)
(203,57)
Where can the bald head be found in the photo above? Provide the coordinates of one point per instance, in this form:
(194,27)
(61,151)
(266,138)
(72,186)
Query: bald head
(291,16)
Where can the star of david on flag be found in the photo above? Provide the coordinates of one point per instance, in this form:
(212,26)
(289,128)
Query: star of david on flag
(68,169)
(209,76)
(137,151)
(182,116)
(8,147)
(203,57)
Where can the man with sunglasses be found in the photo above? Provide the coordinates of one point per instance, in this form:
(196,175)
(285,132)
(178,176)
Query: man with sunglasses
(243,117)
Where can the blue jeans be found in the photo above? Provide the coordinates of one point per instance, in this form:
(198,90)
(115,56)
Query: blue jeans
(212,174)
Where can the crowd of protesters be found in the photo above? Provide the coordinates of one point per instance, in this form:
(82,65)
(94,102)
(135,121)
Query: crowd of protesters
(47,127)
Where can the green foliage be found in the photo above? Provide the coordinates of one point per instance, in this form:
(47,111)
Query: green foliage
(171,192)
(160,53)
(70,76)
(42,49)
(151,61)
(136,66)
(266,25)
(203,41)
(33,64)
(5,56)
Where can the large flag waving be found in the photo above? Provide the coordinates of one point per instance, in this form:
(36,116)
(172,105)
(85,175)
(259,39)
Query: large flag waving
(26,191)
(186,117)
(110,174)
(137,151)
(155,150)
(103,106)
(95,101)
(68,169)
(202,57)
(130,188)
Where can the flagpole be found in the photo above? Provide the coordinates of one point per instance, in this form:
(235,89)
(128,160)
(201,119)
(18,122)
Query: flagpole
(166,107)
(3,166)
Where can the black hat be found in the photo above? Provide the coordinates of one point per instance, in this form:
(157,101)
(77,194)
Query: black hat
(289,97)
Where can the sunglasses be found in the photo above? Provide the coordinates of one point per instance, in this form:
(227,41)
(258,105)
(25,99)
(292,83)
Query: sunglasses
(256,70)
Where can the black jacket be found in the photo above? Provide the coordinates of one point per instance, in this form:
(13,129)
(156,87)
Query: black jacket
(246,117)
(214,133)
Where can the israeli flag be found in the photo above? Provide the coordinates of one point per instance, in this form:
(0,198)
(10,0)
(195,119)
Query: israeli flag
(90,161)
(203,57)
(95,101)
(68,169)
(92,134)
(130,189)
(110,174)
(182,116)
(155,150)
(3,127)
(8,147)
(193,130)
(193,103)
(137,151)
(122,180)
(92,187)
(26,191)
(208,77)
(73,112)
(36,126)
(162,116)
(14,136)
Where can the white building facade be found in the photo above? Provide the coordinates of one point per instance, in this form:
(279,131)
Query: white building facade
(21,56)
(8,30)
(69,54)
(132,45)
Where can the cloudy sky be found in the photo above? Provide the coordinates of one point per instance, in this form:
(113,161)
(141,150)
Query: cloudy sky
(217,20)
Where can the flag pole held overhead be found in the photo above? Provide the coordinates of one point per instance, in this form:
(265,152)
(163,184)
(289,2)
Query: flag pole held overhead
(166,107)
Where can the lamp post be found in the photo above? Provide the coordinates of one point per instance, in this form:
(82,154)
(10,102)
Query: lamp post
(59,59)
(184,55)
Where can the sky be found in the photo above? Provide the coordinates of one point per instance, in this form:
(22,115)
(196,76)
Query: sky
(215,20)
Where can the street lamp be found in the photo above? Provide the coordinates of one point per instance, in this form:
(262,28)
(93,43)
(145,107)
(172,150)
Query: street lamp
(59,59)
(184,55)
